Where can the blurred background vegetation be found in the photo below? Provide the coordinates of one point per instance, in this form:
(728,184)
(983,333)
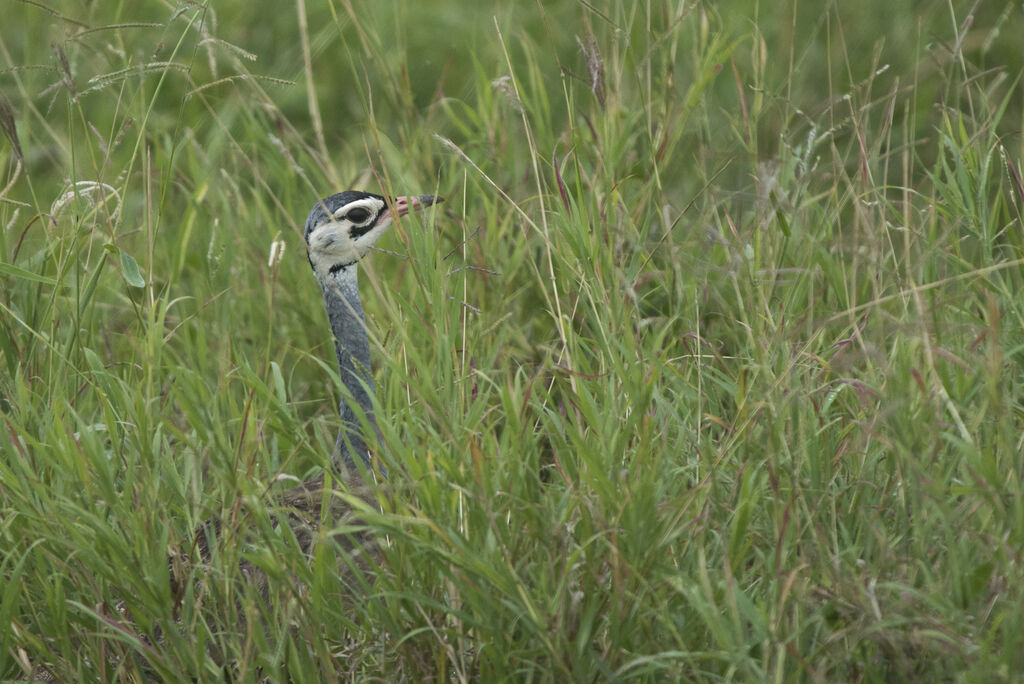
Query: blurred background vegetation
(709,368)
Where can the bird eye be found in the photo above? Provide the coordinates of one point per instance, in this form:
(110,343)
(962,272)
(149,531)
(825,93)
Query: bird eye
(358,215)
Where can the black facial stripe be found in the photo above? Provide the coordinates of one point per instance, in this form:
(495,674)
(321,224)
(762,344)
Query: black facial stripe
(340,267)
(360,231)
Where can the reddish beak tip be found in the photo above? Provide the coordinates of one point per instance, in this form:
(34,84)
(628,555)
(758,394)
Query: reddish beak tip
(407,203)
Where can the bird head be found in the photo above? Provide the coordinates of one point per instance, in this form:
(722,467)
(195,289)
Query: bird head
(342,228)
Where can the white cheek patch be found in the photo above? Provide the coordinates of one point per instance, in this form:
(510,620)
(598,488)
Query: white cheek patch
(330,244)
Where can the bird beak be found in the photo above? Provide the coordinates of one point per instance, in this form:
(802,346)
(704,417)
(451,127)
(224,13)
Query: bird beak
(403,205)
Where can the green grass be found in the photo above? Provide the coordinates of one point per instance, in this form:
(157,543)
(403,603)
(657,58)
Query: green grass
(710,368)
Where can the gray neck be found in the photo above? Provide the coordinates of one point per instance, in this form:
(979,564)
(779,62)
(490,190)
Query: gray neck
(351,344)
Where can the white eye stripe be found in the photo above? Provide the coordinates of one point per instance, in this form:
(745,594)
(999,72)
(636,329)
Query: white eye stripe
(358,215)
(360,211)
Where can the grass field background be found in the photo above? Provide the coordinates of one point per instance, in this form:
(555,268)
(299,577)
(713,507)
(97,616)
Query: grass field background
(711,367)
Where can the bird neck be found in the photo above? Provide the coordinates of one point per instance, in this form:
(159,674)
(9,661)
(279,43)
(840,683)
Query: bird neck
(352,346)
